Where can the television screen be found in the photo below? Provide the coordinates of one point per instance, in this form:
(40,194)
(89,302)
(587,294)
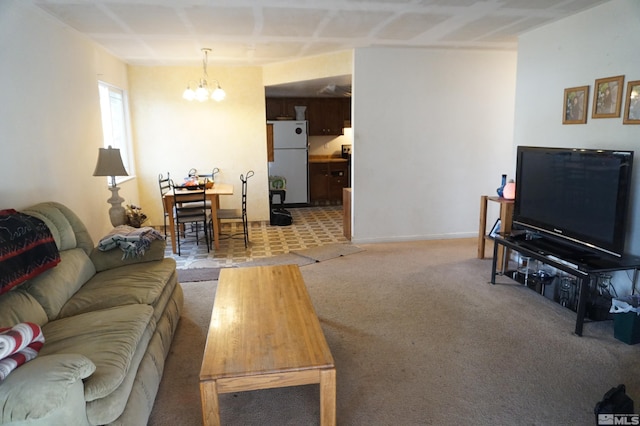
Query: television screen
(578,196)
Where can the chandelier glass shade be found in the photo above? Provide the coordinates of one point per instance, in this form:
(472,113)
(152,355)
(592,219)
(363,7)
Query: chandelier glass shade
(204,90)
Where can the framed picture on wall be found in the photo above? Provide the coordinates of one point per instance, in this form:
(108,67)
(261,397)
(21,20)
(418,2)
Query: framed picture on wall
(607,97)
(632,103)
(575,105)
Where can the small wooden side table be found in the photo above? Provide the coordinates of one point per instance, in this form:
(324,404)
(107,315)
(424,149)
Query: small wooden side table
(506,217)
(346,213)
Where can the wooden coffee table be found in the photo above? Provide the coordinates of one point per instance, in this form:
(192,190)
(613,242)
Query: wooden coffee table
(264,333)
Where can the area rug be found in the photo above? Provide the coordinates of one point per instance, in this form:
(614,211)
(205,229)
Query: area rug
(330,251)
(281,259)
(200,271)
(198,274)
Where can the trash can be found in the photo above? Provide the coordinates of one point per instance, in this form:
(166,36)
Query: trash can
(626,321)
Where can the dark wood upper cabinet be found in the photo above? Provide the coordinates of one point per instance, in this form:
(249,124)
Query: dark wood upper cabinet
(326,116)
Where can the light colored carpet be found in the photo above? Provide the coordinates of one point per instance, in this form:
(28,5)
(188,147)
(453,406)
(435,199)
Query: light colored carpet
(326,252)
(419,337)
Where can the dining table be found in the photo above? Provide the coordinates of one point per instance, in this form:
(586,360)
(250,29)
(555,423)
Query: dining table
(213,195)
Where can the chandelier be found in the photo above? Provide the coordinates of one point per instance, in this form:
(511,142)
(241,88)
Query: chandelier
(203,90)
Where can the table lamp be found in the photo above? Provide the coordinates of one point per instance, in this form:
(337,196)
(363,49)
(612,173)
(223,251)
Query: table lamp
(110,164)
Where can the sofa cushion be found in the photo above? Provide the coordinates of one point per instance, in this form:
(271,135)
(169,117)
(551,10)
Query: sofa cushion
(19,306)
(41,386)
(54,287)
(136,283)
(58,224)
(109,338)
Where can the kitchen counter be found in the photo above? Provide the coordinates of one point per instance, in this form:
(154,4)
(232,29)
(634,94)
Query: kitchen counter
(326,159)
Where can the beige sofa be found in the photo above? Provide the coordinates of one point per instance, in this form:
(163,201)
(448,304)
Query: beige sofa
(108,324)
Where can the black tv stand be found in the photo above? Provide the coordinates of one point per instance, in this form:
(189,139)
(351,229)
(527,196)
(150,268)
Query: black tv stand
(582,265)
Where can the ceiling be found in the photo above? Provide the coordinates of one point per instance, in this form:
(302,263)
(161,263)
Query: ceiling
(259,32)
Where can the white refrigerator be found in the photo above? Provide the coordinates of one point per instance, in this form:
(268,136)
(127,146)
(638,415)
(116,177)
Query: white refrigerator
(290,155)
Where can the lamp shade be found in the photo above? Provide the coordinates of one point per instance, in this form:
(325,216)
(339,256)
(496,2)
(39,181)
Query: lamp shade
(109,163)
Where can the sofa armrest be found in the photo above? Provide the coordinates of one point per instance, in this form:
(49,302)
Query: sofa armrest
(103,260)
(46,388)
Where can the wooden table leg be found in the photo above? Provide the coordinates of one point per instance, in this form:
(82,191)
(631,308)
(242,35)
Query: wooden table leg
(506,218)
(215,222)
(328,397)
(168,205)
(210,405)
(483,226)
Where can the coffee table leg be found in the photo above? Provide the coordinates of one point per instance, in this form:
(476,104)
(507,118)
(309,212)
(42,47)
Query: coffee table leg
(210,405)
(328,397)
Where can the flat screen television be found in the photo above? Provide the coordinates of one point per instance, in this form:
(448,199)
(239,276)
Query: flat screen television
(579,197)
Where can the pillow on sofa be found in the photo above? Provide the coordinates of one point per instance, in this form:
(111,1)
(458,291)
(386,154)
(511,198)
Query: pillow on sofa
(40,387)
(18,345)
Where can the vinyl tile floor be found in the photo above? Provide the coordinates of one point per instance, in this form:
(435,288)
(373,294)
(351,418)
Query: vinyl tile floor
(312,227)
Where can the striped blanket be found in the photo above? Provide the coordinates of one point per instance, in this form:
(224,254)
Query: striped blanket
(18,344)
(134,242)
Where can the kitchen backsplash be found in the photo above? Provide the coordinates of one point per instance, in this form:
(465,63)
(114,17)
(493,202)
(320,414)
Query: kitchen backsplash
(330,145)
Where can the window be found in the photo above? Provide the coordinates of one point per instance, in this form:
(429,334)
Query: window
(115,123)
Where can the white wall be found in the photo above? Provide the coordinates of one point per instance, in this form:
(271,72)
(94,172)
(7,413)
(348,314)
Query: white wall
(310,68)
(433,131)
(50,128)
(598,43)
(174,135)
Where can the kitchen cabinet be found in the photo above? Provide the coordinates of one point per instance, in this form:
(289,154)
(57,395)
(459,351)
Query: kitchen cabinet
(318,181)
(270,153)
(327,179)
(284,107)
(326,116)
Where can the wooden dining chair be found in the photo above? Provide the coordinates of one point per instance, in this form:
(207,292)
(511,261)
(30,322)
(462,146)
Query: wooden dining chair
(190,208)
(165,186)
(238,215)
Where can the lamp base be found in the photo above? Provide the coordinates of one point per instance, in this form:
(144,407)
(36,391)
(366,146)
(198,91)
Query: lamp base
(116,212)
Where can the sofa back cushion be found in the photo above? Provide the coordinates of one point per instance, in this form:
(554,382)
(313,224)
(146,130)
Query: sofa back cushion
(58,225)
(54,287)
(63,221)
(18,306)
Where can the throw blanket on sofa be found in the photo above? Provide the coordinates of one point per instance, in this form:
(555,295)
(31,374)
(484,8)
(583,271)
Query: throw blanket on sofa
(27,248)
(132,241)
(18,344)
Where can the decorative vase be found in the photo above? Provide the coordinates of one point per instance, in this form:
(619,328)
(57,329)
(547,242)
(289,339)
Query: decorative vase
(300,112)
(509,190)
(500,189)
